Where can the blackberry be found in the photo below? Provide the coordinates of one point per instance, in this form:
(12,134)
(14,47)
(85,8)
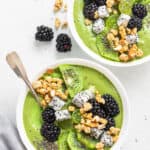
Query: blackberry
(97,109)
(89,10)
(50,132)
(63,43)
(86,2)
(135,22)
(111,123)
(100,2)
(44,33)
(111,107)
(48,115)
(139,10)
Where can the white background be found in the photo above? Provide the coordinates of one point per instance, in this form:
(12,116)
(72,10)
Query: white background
(18,21)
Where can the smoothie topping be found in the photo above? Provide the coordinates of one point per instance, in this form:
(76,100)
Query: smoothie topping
(100,146)
(49,88)
(89,10)
(98,26)
(48,115)
(139,10)
(50,132)
(103,12)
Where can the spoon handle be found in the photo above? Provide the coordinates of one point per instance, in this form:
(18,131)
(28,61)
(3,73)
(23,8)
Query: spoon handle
(16,65)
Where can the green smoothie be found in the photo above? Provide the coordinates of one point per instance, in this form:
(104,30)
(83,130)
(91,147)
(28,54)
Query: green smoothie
(32,112)
(93,42)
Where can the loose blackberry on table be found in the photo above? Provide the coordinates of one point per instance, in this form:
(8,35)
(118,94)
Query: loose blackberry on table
(111,107)
(63,43)
(139,10)
(135,22)
(50,132)
(44,33)
(89,10)
(48,115)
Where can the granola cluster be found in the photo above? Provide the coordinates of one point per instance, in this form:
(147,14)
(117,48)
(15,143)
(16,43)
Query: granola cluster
(120,43)
(48,88)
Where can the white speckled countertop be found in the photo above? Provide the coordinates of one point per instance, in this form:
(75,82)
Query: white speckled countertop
(18,21)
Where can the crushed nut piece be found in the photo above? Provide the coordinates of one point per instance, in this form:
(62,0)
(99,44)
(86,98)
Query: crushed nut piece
(101,126)
(87,115)
(57,23)
(58,5)
(110,37)
(87,22)
(114,131)
(114,32)
(100,146)
(132,53)
(82,111)
(65,24)
(71,108)
(103,121)
(37,84)
(87,107)
(96,15)
(124,57)
(139,53)
(65,7)
(115,138)
(43,103)
(87,129)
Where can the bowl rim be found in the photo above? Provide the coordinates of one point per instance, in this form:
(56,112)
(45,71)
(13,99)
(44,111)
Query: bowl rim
(83,62)
(92,54)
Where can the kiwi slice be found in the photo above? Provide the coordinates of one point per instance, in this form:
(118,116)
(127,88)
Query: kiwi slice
(105,48)
(73,143)
(76,116)
(86,141)
(125,6)
(62,142)
(66,124)
(111,22)
(73,78)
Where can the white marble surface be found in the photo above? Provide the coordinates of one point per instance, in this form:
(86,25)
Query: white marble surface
(18,21)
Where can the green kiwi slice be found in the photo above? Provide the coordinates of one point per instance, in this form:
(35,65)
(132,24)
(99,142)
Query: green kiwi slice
(125,6)
(76,116)
(105,48)
(73,78)
(86,141)
(73,143)
(62,142)
(111,22)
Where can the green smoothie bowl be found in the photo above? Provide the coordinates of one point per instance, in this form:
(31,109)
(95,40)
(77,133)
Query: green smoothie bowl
(83,107)
(113,32)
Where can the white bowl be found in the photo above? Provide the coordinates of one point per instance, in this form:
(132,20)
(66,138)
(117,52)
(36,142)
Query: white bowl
(95,56)
(82,62)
